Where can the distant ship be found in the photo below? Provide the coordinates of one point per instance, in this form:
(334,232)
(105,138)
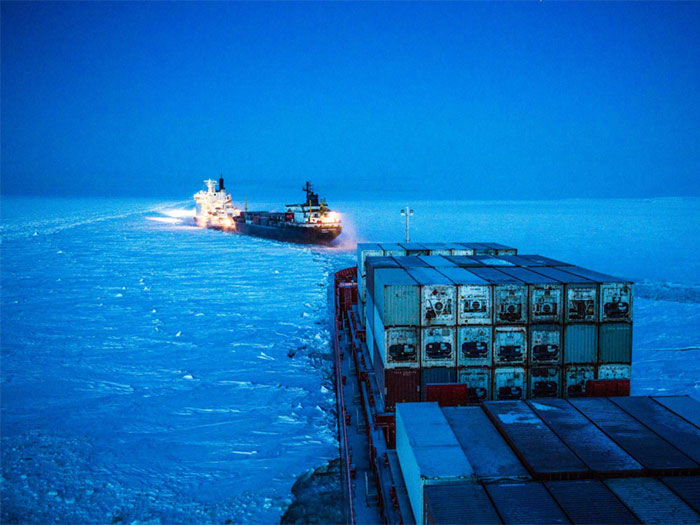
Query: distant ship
(310,222)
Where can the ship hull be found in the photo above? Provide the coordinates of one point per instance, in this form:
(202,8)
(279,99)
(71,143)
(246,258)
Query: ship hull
(295,234)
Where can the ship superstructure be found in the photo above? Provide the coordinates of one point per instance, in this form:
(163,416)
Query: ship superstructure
(214,206)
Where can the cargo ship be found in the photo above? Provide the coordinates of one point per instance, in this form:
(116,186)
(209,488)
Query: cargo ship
(478,385)
(309,222)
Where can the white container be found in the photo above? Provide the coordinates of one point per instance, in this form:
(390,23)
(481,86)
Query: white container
(397,346)
(365,250)
(510,303)
(615,371)
(544,381)
(509,383)
(478,380)
(474,346)
(574,379)
(581,303)
(474,296)
(438,346)
(438,297)
(616,302)
(510,345)
(546,303)
(545,344)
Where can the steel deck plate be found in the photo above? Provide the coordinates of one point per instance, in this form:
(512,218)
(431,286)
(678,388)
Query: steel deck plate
(590,502)
(652,501)
(527,502)
(542,452)
(674,429)
(638,441)
(589,443)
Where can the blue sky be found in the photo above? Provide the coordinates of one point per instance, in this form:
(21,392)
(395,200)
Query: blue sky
(459,100)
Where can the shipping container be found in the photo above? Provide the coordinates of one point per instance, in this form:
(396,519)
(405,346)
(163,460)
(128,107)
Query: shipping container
(615,371)
(501,249)
(414,248)
(615,294)
(674,429)
(445,394)
(597,451)
(546,261)
(478,381)
(545,344)
(580,294)
(437,248)
(365,250)
(540,449)
(519,260)
(437,261)
(575,378)
(435,376)
(687,488)
(580,343)
(478,248)
(451,504)
(474,302)
(398,346)
(410,261)
(372,264)
(645,446)
(546,294)
(486,450)
(369,340)
(509,383)
(370,312)
(428,452)
(466,261)
(474,346)
(510,345)
(652,501)
(458,249)
(396,297)
(525,502)
(615,343)
(438,296)
(545,381)
(492,260)
(509,295)
(438,346)
(590,502)
(392,249)
(397,385)
(684,406)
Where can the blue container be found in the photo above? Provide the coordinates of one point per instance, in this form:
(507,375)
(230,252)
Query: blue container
(540,449)
(685,406)
(645,446)
(681,434)
(590,501)
(396,297)
(652,501)
(488,453)
(588,442)
(526,502)
(687,488)
(428,452)
(447,505)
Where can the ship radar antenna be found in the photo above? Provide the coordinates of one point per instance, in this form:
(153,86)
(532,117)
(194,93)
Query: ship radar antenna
(407,212)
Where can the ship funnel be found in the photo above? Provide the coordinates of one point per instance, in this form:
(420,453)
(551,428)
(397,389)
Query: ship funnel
(221,184)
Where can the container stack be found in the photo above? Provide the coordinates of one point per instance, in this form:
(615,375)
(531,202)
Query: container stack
(508,326)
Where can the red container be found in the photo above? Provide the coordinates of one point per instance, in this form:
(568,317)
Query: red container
(397,385)
(447,394)
(608,387)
